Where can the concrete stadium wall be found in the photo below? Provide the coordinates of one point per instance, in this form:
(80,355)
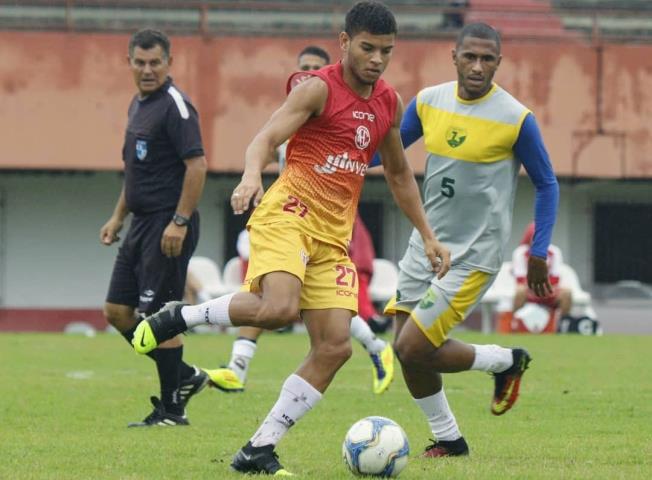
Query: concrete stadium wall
(65,96)
(50,255)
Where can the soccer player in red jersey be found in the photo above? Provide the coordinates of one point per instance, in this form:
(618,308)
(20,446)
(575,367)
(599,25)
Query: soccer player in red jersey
(233,376)
(335,118)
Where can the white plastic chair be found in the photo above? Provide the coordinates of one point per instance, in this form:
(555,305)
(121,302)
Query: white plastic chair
(383,283)
(502,290)
(232,275)
(499,297)
(208,275)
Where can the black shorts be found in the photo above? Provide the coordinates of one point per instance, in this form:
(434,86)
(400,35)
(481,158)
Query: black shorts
(142,276)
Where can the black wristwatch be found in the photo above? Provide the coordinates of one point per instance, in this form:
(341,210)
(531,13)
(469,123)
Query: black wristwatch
(180,220)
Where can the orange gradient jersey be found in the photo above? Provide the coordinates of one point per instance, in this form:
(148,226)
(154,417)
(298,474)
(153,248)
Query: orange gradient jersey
(327,159)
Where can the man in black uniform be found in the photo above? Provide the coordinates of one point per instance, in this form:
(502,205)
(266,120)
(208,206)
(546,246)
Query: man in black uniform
(165,170)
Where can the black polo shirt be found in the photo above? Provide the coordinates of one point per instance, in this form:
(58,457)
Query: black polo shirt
(162,132)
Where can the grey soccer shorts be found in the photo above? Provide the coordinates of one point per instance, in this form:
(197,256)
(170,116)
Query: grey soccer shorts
(435,305)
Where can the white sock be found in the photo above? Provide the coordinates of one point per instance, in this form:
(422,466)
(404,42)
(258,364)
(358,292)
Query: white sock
(362,333)
(492,358)
(296,399)
(213,312)
(441,419)
(241,354)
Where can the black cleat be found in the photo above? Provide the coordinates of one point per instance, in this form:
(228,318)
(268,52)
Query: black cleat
(159,417)
(507,384)
(192,385)
(451,448)
(263,460)
(379,324)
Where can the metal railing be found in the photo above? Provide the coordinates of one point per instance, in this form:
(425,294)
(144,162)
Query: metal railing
(320,18)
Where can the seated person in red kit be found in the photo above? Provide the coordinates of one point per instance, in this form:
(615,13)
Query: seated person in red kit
(561,297)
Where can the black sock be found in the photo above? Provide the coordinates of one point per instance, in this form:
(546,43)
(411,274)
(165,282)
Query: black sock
(168,364)
(186,370)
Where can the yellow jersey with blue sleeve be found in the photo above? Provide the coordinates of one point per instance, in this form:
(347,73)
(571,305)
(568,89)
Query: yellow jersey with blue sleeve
(471,171)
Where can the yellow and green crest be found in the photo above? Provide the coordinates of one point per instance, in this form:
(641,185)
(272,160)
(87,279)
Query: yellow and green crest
(428,300)
(455,136)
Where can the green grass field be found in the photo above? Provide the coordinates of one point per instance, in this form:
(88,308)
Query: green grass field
(585,412)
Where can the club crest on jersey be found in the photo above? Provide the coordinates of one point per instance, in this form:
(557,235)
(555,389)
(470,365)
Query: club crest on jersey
(362,137)
(428,300)
(341,162)
(141,149)
(455,136)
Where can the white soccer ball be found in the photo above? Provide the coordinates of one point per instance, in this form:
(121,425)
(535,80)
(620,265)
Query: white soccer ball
(376,446)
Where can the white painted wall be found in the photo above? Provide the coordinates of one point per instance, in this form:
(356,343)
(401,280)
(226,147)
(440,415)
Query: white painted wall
(50,255)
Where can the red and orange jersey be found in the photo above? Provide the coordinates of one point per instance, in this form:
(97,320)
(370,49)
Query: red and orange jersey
(327,159)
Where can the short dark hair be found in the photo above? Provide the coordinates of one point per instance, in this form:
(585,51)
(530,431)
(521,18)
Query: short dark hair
(478,30)
(148,38)
(370,16)
(317,51)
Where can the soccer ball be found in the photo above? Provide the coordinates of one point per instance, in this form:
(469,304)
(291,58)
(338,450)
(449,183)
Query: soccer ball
(376,446)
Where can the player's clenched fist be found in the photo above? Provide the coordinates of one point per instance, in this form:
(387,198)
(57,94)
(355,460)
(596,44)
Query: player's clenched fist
(109,232)
(537,277)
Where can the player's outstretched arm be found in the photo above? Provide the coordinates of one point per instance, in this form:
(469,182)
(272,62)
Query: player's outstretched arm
(304,101)
(405,190)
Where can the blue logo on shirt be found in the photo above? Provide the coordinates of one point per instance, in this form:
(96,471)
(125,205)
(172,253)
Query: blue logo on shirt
(141,149)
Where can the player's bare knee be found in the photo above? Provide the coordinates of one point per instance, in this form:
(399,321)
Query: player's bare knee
(278,314)
(565,295)
(410,356)
(402,349)
(118,317)
(335,353)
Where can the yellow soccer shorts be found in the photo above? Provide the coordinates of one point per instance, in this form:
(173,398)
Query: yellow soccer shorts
(328,276)
(437,306)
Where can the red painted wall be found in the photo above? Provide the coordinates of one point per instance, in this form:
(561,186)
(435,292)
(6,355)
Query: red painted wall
(48,320)
(65,96)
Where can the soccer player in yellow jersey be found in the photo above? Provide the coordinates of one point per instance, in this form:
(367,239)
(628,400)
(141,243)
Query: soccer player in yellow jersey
(299,232)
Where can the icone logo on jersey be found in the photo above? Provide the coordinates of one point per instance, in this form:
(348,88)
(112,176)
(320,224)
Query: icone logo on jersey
(345,293)
(364,116)
(362,137)
(341,162)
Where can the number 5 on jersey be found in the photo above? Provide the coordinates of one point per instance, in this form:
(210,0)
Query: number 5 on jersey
(447,187)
